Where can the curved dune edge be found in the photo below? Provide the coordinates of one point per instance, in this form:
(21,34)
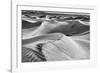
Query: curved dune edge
(53,36)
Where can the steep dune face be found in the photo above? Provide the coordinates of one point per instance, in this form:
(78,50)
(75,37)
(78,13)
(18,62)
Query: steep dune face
(27,25)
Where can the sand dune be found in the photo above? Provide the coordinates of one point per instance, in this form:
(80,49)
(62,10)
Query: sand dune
(67,28)
(66,49)
(61,40)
